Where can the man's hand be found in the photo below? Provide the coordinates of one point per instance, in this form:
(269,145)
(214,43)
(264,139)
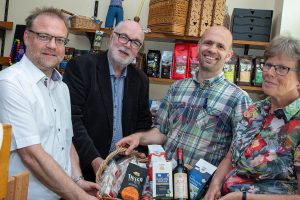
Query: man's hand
(90,187)
(130,142)
(96,164)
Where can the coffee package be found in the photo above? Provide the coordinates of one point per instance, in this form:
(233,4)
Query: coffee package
(166,64)
(180,61)
(133,183)
(193,64)
(153,62)
(230,68)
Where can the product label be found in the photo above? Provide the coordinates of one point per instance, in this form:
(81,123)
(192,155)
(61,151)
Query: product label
(180,185)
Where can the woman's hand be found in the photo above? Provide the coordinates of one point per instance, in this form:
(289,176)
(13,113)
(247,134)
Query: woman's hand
(232,196)
(213,192)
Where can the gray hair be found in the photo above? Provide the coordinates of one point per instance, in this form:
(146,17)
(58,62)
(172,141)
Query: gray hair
(284,45)
(49,11)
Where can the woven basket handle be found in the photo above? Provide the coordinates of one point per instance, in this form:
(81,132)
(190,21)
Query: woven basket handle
(67,12)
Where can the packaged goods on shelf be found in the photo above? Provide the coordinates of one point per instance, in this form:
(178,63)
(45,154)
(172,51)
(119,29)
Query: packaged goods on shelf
(153,62)
(165,70)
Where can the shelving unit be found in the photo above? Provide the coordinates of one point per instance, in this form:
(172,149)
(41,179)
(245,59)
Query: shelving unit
(4,61)
(4,25)
(172,38)
(167,37)
(164,81)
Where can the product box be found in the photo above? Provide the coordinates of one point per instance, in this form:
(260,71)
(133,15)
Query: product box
(199,178)
(162,185)
(155,154)
(133,183)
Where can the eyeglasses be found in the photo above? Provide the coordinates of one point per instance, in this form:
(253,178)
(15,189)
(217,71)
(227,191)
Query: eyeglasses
(122,38)
(279,69)
(44,37)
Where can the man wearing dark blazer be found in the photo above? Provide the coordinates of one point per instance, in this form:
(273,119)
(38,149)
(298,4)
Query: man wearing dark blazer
(109,97)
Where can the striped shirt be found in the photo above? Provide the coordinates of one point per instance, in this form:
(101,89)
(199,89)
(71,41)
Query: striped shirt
(201,117)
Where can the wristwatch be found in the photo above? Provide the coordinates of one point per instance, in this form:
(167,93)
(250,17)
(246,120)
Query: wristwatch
(77,178)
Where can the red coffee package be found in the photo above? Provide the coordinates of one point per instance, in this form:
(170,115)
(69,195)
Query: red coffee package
(193,61)
(180,61)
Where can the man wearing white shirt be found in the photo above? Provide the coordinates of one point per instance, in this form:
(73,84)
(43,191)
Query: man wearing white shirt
(36,102)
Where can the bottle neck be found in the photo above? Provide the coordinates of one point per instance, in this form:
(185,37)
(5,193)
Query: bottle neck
(179,162)
(180,156)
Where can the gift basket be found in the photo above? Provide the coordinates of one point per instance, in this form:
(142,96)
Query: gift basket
(126,176)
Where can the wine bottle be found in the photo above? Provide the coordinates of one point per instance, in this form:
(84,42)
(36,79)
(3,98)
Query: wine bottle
(180,178)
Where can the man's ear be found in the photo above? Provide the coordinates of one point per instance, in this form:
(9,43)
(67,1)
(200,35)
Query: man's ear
(25,37)
(229,55)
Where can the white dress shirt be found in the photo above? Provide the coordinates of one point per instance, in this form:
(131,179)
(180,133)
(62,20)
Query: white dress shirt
(39,111)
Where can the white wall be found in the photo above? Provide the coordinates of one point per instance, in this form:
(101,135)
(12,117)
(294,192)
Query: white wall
(290,18)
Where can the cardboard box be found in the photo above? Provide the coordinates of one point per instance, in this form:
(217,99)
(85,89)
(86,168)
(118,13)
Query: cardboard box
(199,177)
(162,180)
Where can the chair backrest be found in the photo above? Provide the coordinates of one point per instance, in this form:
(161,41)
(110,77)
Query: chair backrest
(4,159)
(17,187)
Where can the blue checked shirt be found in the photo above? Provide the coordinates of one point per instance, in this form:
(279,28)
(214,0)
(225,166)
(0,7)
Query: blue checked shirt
(201,118)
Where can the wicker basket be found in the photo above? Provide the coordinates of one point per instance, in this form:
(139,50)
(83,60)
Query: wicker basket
(105,163)
(78,21)
(168,16)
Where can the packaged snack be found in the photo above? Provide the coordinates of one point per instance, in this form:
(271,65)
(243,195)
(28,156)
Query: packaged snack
(133,183)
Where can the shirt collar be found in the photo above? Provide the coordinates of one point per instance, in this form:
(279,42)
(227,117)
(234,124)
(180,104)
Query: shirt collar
(112,71)
(36,73)
(209,82)
(287,112)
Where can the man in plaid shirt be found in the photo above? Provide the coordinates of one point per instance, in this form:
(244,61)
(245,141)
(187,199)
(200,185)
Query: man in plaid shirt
(199,114)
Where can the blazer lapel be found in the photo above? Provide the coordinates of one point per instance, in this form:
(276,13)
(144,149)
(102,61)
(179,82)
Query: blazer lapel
(104,83)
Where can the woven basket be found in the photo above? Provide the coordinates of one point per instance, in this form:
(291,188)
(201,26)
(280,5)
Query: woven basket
(78,21)
(105,163)
(168,16)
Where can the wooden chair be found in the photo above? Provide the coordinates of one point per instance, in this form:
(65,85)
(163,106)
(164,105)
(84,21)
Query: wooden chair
(4,159)
(17,187)
(13,187)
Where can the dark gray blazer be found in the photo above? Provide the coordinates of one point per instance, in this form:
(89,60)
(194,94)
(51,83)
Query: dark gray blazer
(89,83)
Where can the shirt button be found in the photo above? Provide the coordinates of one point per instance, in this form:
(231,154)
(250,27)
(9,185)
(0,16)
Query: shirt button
(59,129)
(54,110)
(62,148)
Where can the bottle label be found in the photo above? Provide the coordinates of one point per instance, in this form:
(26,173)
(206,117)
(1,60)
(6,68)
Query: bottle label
(180,185)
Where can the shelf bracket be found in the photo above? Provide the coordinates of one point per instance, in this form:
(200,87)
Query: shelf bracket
(246,49)
(91,37)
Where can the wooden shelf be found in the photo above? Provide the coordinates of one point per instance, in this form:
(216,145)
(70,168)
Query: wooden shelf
(6,25)
(165,81)
(169,37)
(4,61)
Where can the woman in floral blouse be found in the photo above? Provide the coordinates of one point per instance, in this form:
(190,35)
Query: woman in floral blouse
(264,160)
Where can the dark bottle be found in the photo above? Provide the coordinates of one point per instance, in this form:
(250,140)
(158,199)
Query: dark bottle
(180,178)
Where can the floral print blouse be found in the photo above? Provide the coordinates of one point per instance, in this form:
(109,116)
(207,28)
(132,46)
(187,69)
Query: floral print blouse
(266,150)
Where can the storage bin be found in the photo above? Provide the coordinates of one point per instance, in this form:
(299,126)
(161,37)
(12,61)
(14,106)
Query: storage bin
(168,16)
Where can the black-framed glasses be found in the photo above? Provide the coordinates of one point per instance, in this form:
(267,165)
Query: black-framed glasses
(122,38)
(279,69)
(44,37)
